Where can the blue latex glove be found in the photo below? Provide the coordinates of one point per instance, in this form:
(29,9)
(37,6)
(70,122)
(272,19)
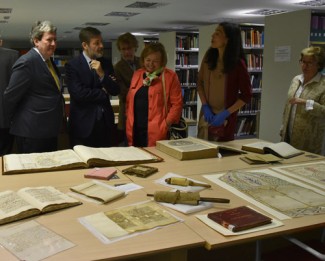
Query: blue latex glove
(220,118)
(208,114)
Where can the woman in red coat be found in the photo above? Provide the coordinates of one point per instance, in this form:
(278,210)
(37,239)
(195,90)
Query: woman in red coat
(147,119)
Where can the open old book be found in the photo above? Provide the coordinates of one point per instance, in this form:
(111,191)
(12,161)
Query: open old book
(193,148)
(79,157)
(32,201)
(280,149)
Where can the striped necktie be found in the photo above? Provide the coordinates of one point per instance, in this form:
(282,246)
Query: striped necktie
(55,76)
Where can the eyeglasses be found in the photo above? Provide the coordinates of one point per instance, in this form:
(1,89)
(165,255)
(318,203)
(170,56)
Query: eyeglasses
(307,64)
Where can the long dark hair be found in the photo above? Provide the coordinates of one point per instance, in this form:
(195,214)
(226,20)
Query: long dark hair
(233,52)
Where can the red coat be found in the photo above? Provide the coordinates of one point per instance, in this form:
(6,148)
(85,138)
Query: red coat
(157,127)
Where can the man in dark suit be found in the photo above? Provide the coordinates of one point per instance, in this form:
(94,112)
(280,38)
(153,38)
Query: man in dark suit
(90,80)
(7,59)
(127,44)
(33,100)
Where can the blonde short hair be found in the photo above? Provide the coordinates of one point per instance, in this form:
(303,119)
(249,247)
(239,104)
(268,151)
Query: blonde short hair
(318,53)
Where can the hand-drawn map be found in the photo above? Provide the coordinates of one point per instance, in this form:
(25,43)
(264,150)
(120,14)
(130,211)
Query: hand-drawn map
(312,173)
(279,193)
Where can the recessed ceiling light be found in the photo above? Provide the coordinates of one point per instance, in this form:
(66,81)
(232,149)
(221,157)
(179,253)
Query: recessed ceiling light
(266,12)
(146,5)
(312,3)
(122,14)
(5,10)
(95,24)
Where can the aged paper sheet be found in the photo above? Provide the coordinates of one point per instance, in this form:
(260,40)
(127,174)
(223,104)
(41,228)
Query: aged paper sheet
(127,221)
(312,173)
(114,153)
(32,241)
(279,195)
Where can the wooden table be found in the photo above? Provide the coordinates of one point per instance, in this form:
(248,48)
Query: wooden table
(171,242)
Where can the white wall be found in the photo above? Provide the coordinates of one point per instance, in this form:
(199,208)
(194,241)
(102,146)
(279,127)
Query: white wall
(290,30)
(168,39)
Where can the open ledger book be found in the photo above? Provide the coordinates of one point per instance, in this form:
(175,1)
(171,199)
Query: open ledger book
(193,148)
(28,202)
(80,157)
(281,149)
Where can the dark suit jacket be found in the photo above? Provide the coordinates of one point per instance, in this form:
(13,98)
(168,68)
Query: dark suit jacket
(33,102)
(87,95)
(124,74)
(7,59)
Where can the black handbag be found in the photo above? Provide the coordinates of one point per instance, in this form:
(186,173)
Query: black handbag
(177,130)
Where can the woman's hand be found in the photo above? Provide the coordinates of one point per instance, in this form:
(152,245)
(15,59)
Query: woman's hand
(297,101)
(208,114)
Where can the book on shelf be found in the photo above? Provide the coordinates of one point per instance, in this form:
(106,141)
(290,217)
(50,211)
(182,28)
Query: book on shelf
(98,191)
(240,218)
(194,148)
(280,149)
(80,157)
(32,201)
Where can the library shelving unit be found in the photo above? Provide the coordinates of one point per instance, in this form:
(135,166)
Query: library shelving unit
(183,50)
(317,29)
(253,44)
(186,67)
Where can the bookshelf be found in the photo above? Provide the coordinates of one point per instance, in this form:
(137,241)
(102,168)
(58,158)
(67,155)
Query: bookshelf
(317,28)
(183,51)
(61,57)
(248,115)
(292,32)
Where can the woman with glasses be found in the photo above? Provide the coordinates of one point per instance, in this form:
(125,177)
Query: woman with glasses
(304,114)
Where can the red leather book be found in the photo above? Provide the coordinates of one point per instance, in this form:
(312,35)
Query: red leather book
(240,218)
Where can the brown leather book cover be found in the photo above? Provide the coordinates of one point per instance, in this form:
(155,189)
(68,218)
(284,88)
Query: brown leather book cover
(240,218)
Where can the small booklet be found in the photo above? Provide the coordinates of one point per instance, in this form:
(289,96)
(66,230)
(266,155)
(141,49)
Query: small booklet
(28,202)
(98,191)
(142,171)
(101,173)
(251,158)
(281,149)
(240,218)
